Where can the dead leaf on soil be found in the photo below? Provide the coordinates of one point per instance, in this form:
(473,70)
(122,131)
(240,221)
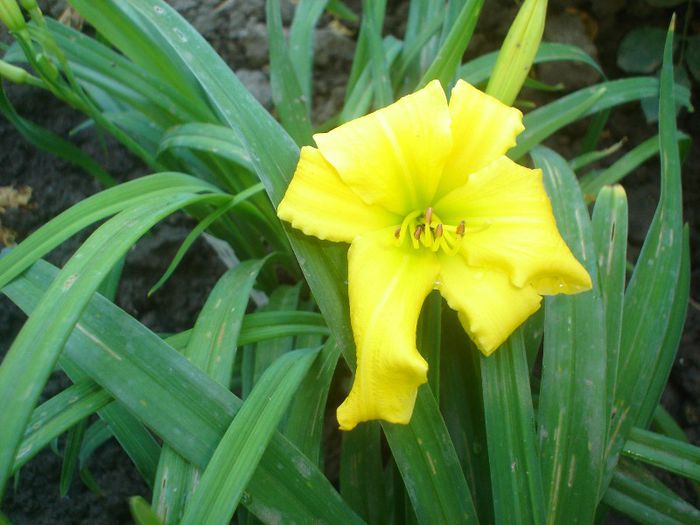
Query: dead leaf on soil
(7,236)
(11,197)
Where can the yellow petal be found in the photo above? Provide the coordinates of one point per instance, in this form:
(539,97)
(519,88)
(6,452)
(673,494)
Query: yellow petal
(483,129)
(394,156)
(490,308)
(510,226)
(387,288)
(318,203)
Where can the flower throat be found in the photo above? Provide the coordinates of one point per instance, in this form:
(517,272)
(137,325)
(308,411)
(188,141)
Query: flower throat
(425,229)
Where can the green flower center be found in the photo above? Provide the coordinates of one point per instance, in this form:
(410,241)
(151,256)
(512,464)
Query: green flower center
(426,230)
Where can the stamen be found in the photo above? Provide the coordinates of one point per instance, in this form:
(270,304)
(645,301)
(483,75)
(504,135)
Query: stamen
(417,233)
(460,229)
(428,216)
(438,231)
(397,232)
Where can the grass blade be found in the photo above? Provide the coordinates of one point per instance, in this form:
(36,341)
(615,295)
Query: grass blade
(450,54)
(89,211)
(58,414)
(208,138)
(34,352)
(301,43)
(305,424)
(463,408)
(372,19)
(244,443)
(516,479)
(479,70)
(663,452)
(103,346)
(361,476)
(610,239)
(654,286)
(638,494)
(71,451)
(211,348)
(547,119)
(591,183)
(429,465)
(287,94)
(572,413)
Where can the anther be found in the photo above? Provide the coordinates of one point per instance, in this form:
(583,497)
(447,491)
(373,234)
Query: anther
(428,216)
(418,232)
(460,228)
(397,233)
(438,231)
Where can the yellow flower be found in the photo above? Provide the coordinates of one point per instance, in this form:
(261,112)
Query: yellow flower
(427,200)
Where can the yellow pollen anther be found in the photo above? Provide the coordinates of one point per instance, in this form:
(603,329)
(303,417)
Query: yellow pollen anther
(460,229)
(397,232)
(438,231)
(428,216)
(418,232)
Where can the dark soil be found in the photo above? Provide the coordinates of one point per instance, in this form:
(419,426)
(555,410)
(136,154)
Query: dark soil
(237,31)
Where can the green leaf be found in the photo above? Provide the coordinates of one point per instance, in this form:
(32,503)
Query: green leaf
(450,54)
(591,183)
(638,494)
(95,436)
(641,50)
(572,412)
(104,347)
(429,465)
(301,42)
(362,57)
(91,210)
(359,101)
(133,437)
(267,352)
(287,94)
(361,475)
(35,351)
(663,452)
(429,338)
(58,414)
(656,284)
(240,449)
(120,24)
(544,121)
(200,228)
(212,348)
(463,408)
(100,68)
(610,239)
(339,9)
(305,425)
(259,326)
(414,44)
(208,138)
(372,19)
(516,478)
(71,452)
(590,157)
(141,512)
(479,70)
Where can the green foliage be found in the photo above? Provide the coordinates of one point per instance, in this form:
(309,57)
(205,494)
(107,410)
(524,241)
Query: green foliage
(229,419)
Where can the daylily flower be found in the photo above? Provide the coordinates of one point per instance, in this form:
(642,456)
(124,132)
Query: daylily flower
(427,200)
